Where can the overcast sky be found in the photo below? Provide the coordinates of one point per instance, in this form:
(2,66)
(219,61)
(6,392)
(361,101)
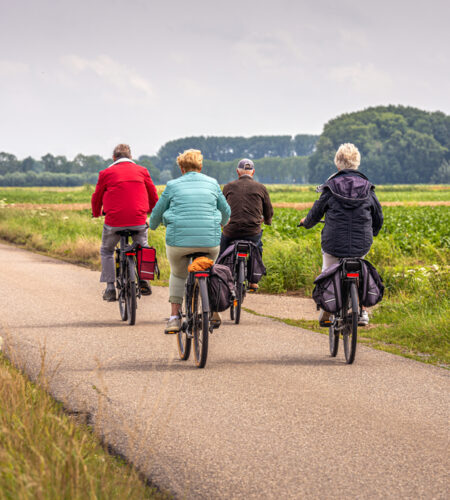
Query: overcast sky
(80,76)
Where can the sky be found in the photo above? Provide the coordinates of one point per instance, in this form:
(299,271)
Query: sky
(81,76)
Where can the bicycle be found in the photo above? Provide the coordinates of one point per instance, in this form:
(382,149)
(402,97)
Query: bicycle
(345,321)
(127,282)
(240,280)
(196,324)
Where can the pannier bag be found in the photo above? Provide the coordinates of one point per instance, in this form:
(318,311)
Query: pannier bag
(147,263)
(371,288)
(220,288)
(327,293)
(255,268)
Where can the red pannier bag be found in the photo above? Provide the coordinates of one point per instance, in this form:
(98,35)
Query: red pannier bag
(147,263)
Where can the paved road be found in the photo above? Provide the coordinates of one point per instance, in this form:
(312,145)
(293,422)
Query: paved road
(271,416)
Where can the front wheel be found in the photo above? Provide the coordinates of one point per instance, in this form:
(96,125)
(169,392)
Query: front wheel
(350,332)
(131,291)
(333,337)
(200,322)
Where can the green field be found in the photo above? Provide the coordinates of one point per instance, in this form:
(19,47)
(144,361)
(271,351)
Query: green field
(412,253)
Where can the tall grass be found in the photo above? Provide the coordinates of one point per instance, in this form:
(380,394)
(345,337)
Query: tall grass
(45,454)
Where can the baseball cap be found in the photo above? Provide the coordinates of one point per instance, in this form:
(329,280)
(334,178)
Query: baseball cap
(246,164)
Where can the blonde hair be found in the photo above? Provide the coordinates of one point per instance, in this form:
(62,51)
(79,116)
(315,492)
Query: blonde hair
(122,151)
(191,159)
(347,156)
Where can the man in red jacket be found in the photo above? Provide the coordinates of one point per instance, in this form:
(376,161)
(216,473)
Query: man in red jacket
(127,194)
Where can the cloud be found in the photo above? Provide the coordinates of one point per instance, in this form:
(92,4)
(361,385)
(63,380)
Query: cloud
(12,68)
(112,72)
(363,78)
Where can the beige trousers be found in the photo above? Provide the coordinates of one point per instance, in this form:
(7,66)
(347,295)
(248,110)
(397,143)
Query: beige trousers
(179,268)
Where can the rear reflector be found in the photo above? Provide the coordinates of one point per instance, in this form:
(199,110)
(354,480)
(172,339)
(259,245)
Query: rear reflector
(130,253)
(352,275)
(242,255)
(201,275)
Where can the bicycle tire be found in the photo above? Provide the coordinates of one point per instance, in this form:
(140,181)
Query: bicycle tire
(350,332)
(131,291)
(122,298)
(183,341)
(333,337)
(232,311)
(200,322)
(239,292)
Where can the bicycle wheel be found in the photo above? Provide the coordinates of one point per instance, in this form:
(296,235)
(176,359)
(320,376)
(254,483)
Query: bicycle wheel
(200,322)
(183,341)
(240,284)
(333,337)
(122,299)
(131,291)
(350,332)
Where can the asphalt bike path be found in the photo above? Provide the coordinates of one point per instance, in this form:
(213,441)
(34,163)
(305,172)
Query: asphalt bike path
(271,415)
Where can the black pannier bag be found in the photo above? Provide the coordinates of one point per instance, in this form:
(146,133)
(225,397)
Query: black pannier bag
(220,288)
(255,268)
(327,293)
(371,288)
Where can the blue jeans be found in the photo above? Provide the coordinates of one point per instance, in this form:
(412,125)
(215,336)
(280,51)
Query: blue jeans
(225,241)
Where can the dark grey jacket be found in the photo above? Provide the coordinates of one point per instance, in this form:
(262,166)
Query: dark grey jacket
(353,214)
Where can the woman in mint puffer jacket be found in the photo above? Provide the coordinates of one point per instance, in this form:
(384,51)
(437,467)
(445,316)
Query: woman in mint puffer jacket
(192,208)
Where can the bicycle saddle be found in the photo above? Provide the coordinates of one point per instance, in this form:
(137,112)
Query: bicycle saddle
(195,255)
(127,232)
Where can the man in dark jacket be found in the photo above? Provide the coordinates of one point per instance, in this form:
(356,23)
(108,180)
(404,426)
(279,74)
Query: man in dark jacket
(250,206)
(353,214)
(125,193)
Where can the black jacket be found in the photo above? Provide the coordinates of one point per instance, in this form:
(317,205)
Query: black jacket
(353,214)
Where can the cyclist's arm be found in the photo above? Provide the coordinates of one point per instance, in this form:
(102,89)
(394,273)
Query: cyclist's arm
(151,191)
(377,214)
(317,211)
(159,209)
(267,208)
(97,196)
(223,206)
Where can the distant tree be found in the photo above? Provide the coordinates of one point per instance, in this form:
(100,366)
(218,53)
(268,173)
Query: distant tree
(8,163)
(165,177)
(304,145)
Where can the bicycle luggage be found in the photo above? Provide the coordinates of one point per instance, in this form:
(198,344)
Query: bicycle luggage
(255,268)
(371,289)
(147,263)
(327,293)
(220,288)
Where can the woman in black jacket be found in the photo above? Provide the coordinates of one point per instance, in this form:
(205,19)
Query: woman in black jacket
(353,214)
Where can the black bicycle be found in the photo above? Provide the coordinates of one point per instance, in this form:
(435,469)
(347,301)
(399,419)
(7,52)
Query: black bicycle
(345,321)
(240,280)
(196,324)
(127,282)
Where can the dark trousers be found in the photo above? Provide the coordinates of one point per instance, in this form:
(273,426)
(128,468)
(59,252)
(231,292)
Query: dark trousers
(225,241)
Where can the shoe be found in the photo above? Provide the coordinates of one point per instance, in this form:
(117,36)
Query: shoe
(324,318)
(253,287)
(216,320)
(363,319)
(173,326)
(109,295)
(145,287)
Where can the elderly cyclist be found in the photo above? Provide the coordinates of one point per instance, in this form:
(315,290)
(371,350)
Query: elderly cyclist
(353,215)
(192,208)
(127,194)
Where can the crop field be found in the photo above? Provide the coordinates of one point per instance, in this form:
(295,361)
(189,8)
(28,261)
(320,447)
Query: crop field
(412,253)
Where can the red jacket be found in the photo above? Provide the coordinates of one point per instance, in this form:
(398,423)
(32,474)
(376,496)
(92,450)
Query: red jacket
(126,192)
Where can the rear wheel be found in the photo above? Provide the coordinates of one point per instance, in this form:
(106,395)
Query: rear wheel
(122,280)
(350,331)
(240,284)
(183,341)
(131,291)
(333,337)
(200,323)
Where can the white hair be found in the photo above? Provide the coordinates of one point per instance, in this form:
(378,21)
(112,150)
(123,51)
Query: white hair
(347,156)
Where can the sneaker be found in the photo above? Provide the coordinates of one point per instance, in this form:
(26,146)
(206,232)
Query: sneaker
(324,318)
(109,295)
(363,319)
(253,287)
(216,320)
(173,325)
(145,287)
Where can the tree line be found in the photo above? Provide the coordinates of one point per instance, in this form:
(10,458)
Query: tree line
(398,145)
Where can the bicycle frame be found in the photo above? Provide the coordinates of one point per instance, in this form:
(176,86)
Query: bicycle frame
(351,271)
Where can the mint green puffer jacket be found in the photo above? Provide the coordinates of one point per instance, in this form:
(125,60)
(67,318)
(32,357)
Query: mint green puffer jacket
(192,208)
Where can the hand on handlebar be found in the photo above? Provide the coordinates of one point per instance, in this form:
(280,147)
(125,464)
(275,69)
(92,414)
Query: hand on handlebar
(301,222)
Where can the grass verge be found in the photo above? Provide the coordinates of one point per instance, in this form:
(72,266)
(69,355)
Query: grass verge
(45,454)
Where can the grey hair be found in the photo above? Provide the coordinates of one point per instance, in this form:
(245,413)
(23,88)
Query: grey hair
(347,156)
